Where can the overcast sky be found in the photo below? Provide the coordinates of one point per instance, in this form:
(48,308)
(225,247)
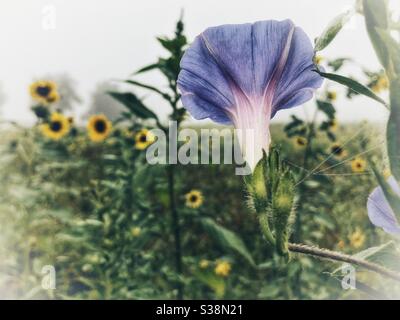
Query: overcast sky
(96,40)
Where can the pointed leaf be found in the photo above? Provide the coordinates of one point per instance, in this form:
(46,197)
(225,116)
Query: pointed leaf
(134,104)
(148,68)
(353,85)
(154,89)
(227,238)
(327,108)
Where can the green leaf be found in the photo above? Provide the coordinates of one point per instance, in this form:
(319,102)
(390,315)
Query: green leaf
(332,30)
(393,129)
(376,16)
(294,123)
(353,85)
(154,89)
(148,68)
(331,136)
(227,239)
(173,45)
(134,104)
(327,108)
(337,63)
(269,291)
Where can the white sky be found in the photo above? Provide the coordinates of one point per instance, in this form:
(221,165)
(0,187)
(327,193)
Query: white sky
(96,40)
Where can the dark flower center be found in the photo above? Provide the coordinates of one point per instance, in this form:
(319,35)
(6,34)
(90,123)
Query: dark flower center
(337,150)
(100,126)
(43,91)
(142,138)
(55,126)
(301,142)
(193,198)
(358,165)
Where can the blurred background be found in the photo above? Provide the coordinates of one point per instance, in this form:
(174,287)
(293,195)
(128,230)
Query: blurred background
(93,42)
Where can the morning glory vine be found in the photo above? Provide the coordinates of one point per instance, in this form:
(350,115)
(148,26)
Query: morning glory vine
(243,75)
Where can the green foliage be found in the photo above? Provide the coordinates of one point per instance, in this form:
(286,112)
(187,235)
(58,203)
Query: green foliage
(227,239)
(353,85)
(134,105)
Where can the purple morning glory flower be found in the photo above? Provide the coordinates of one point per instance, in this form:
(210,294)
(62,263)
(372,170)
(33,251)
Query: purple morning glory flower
(243,74)
(379,211)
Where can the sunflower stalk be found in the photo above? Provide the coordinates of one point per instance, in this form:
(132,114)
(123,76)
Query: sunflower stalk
(169,68)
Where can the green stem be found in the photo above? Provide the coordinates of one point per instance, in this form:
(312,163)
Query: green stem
(176,229)
(174,213)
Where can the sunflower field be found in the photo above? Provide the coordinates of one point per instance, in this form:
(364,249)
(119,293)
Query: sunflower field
(86,214)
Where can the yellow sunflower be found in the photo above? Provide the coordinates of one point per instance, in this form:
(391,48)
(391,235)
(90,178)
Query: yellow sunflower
(300,141)
(56,128)
(143,139)
(53,97)
(194,199)
(357,239)
(99,127)
(44,92)
(338,150)
(358,165)
(223,268)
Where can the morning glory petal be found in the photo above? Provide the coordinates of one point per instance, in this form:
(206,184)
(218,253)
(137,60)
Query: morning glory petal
(298,81)
(379,211)
(243,74)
